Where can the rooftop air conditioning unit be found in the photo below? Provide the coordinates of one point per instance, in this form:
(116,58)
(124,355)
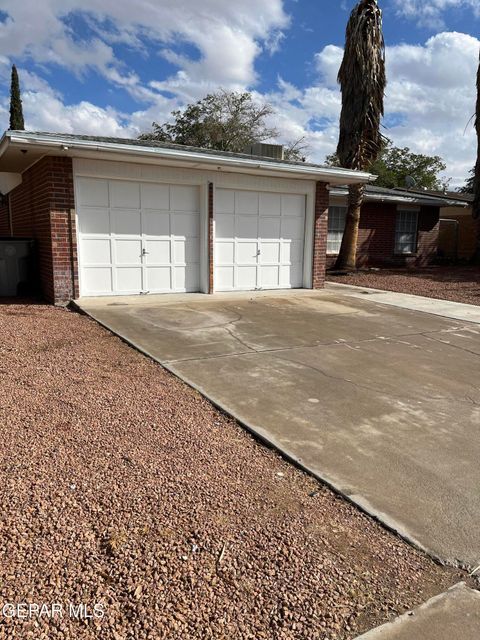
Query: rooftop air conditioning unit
(274,151)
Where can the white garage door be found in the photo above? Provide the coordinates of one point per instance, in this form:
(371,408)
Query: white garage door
(259,240)
(137,237)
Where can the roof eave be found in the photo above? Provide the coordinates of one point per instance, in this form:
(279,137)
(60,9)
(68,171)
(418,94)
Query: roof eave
(331,175)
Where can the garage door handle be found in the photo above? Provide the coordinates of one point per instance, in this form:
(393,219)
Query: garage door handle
(145,252)
(258,252)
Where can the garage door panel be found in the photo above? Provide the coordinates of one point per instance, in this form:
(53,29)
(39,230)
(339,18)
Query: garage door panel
(246,202)
(128,251)
(269,228)
(246,277)
(186,251)
(184,198)
(246,253)
(269,276)
(224,278)
(224,226)
(98,280)
(291,276)
(159,279)
(156,223)
(155,196)
(92,193)
(128,279)
(269,252)
(292,251)
(158,252)
(96,251)
(94,221)
(224,252)
(293,228)
(246,227)
(293,205)
(186,225)
(186,278)
(124,195)
(269,204)
(126,222)
(224,201)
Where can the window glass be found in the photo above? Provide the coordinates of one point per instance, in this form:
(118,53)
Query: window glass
(336,227)
(406,231)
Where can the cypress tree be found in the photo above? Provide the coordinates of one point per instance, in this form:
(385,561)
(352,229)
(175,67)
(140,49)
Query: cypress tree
(16,111)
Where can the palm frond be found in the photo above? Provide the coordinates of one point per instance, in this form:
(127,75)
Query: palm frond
(362,79)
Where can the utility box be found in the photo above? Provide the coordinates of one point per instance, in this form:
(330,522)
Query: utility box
(17,277)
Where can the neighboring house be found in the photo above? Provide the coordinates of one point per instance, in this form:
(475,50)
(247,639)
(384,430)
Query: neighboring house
(397,227)
(115,216)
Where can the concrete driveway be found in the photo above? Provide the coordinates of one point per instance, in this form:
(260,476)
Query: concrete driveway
(382,403)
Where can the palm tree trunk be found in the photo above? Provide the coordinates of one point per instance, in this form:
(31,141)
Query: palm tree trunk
(347,258)
(476,188)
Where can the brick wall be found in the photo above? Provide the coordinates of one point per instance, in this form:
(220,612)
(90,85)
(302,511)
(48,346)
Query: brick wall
(376,237)
(320,235)
(41,209)
(4,220)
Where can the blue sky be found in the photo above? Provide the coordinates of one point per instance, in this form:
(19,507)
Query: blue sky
(111,67)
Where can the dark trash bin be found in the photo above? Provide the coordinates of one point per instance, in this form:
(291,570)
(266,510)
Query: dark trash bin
(17,272)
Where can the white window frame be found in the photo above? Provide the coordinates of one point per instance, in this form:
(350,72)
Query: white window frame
(406,224)
(335,226)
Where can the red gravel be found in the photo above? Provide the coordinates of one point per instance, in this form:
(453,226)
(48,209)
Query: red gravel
(121,486)
(459,284)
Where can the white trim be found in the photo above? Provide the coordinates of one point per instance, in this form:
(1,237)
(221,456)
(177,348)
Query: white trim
(71,147)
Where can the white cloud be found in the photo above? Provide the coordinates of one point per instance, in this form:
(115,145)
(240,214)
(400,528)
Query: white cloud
(430,95)
(228,36)
(429,13)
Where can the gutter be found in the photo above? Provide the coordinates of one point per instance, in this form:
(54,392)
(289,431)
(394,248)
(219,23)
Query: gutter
(341,176)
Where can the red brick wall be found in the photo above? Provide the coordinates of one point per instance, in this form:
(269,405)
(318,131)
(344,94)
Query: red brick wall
(320,235)
(41,208)
(376,238)
(4,221)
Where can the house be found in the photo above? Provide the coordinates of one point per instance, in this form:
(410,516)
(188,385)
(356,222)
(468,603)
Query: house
(398,227)
(119,217)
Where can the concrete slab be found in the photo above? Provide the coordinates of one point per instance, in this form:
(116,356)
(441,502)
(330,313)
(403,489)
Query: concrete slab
(454,615)
(380,402)
(445,308)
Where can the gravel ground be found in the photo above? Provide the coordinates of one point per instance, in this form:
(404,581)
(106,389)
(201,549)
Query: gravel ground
(122,487)
(459,284)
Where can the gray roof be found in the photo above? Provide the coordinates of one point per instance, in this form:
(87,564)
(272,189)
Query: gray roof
(403,195)
(155,144)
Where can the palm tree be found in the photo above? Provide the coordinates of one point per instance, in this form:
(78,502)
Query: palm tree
(476,182)
(362,81)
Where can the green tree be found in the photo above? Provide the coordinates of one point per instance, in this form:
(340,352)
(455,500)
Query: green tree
(226,121)
(394,164)
(362,81)
(16,111)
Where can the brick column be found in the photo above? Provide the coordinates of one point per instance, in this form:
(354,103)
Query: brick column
(210,238)
(320,231)
(62,224)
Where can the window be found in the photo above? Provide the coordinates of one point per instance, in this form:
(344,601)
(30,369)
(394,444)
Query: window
(406,232)
(336,227)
